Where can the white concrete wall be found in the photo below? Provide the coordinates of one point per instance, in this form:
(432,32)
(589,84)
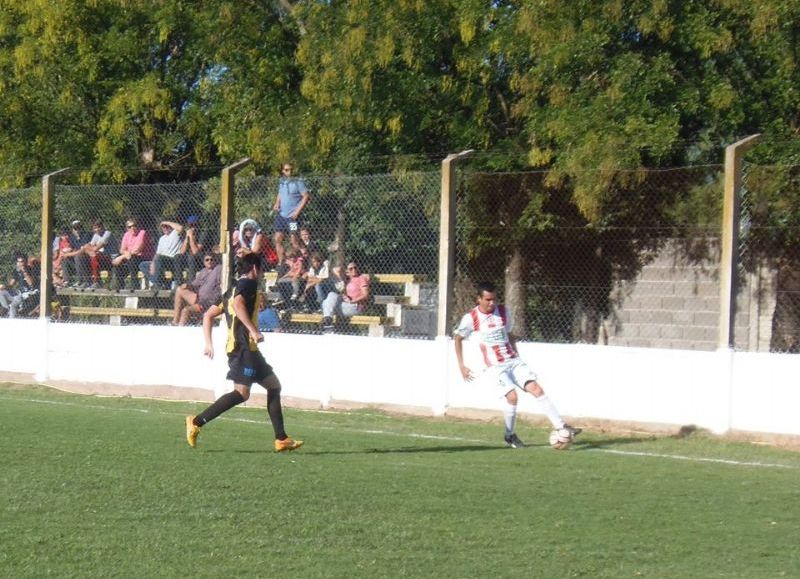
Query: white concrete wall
(716,390)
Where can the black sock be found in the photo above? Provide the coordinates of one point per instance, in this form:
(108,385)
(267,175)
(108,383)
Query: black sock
(275,411)
(220,405)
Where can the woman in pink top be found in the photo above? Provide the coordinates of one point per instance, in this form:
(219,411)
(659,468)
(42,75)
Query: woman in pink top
(136,247)
(351,302)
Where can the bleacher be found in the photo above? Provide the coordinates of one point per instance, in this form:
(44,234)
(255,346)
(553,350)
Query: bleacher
(392,293)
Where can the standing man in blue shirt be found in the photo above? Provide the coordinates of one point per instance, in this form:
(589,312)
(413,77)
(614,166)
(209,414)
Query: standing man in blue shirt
(289,204)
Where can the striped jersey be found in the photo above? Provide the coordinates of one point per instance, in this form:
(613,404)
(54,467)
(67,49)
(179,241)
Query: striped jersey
(492,331)
(238,335)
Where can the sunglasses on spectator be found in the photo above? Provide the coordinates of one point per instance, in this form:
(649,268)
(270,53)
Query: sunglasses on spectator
(208,259)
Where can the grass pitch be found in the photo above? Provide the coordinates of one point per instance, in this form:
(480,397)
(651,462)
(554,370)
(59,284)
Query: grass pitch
(107,487)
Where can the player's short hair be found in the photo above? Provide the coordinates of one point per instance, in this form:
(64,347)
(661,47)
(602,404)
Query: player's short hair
(485,286)
(247,262)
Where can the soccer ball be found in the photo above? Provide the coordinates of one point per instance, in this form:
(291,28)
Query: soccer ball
(560,438)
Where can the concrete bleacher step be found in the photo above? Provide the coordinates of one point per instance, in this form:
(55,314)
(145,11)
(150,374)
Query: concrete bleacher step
(123,312)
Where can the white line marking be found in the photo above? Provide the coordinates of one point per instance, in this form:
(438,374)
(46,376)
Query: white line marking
(693,458)
(417,435)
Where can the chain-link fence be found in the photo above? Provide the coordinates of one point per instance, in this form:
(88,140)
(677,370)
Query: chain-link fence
(20,233)
(138,254)
(387,226)
(645,271)
(642,270)
(769,250)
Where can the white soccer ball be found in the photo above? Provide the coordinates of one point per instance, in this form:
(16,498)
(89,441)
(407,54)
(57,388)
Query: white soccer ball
(560,438)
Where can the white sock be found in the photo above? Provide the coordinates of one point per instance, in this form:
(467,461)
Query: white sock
(509,416)
(550,411)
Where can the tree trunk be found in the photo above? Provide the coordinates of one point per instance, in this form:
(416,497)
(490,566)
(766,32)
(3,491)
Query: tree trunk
(515,293)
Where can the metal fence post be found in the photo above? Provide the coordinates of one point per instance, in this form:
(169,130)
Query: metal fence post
(734,154)
(227,199)
(447,221)
(46,246)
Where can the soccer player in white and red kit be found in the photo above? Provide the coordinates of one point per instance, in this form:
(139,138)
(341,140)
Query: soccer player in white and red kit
(504,369)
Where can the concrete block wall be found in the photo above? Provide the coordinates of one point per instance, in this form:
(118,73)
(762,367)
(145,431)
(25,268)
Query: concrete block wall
(674,303)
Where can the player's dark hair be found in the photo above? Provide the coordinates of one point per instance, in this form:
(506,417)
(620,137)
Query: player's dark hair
(246,263)
(485,286)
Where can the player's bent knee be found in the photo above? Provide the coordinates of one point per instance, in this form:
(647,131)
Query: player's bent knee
(534,388)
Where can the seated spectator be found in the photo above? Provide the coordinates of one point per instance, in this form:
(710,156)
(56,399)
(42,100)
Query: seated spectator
(135,247)
(353,300)
(250,239)
(61,245)
(168,247)
(289,285)
(306,242)
(75,262)
(204,291)
(318,283)
(268,319)
(21,296)
(196,242)
(99,251)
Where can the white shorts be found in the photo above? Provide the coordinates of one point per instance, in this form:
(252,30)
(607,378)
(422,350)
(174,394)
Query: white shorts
(513,374)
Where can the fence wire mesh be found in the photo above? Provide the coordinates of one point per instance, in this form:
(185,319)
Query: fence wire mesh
(769,249)
(20,233)
(387,226)
(641,270)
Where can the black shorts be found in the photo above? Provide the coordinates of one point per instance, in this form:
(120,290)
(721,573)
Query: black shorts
(246,367)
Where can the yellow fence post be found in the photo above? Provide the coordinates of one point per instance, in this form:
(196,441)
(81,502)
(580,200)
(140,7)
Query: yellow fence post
(227,199)
(447,236)
(46,245)
(734,154)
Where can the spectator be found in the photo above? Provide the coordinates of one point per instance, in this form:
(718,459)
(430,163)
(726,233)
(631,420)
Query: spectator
(352,301)
(318,282)
(136,247)
(61,246)
(268,320)
(74,261)
(169,245)
(195,244)
(204,291)
(289,285)
(99,251)
(292,198)
(250,239)
(306,242)
(22,294)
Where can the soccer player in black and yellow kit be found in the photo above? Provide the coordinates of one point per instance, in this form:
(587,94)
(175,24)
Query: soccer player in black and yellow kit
(245,361)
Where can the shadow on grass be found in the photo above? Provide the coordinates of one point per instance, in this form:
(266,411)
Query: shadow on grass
(592,444)
(400,450)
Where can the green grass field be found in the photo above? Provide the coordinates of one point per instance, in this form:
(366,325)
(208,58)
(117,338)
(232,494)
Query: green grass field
(107,487)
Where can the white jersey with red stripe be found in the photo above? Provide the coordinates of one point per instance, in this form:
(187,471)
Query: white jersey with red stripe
(492,332)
